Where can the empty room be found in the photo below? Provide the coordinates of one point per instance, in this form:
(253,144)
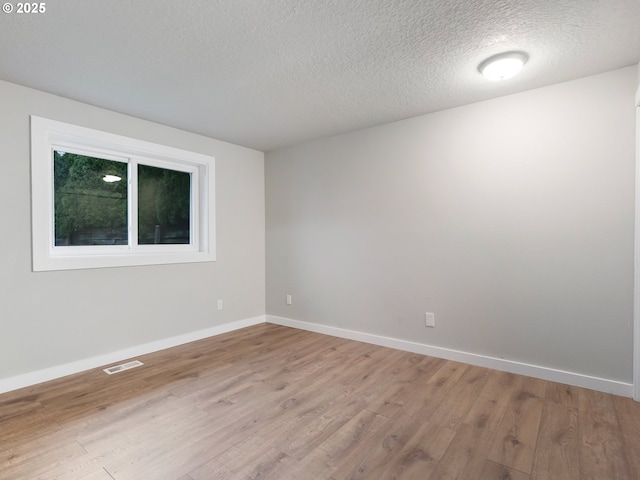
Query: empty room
(299,240)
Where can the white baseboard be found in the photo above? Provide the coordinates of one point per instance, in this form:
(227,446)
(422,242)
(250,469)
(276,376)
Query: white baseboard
(569,378)
(32,378)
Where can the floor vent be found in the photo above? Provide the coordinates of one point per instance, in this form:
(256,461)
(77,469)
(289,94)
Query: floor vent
(124,366)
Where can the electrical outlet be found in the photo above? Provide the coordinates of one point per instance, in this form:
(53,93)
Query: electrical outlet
(430,319)
(219,304)
(288,299)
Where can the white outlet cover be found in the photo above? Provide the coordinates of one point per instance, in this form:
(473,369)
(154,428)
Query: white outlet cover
(430,319)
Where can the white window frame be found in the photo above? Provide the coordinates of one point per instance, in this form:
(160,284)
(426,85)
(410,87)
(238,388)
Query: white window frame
(49,135)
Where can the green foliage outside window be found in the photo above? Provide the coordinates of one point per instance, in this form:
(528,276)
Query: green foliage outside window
(89,210)
(164,205)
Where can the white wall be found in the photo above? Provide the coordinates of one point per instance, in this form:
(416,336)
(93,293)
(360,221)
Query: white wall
(54,318)
(511,219)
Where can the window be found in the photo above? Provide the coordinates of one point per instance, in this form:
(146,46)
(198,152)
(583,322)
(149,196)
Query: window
(103,200)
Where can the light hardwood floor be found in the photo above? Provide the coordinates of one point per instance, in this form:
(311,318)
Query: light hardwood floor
(270,402)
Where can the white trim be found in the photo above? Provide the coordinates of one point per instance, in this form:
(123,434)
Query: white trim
(636,266)
(554,375)
(569,378)
(32,378)
(49,135)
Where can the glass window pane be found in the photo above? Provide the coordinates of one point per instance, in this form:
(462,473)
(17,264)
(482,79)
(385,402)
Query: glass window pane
(164,206)
(90,200)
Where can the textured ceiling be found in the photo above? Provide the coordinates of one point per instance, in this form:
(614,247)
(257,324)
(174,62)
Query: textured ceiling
(270,73)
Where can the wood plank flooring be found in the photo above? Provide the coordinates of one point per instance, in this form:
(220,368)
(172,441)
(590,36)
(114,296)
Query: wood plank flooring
(270,402)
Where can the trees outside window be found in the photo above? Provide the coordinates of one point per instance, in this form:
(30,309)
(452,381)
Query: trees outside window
(102,200)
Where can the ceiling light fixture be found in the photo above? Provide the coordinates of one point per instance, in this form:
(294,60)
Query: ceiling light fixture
(503,66)
(111,178)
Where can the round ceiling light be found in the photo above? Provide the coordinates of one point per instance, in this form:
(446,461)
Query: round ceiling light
(503,65)
(111,178)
